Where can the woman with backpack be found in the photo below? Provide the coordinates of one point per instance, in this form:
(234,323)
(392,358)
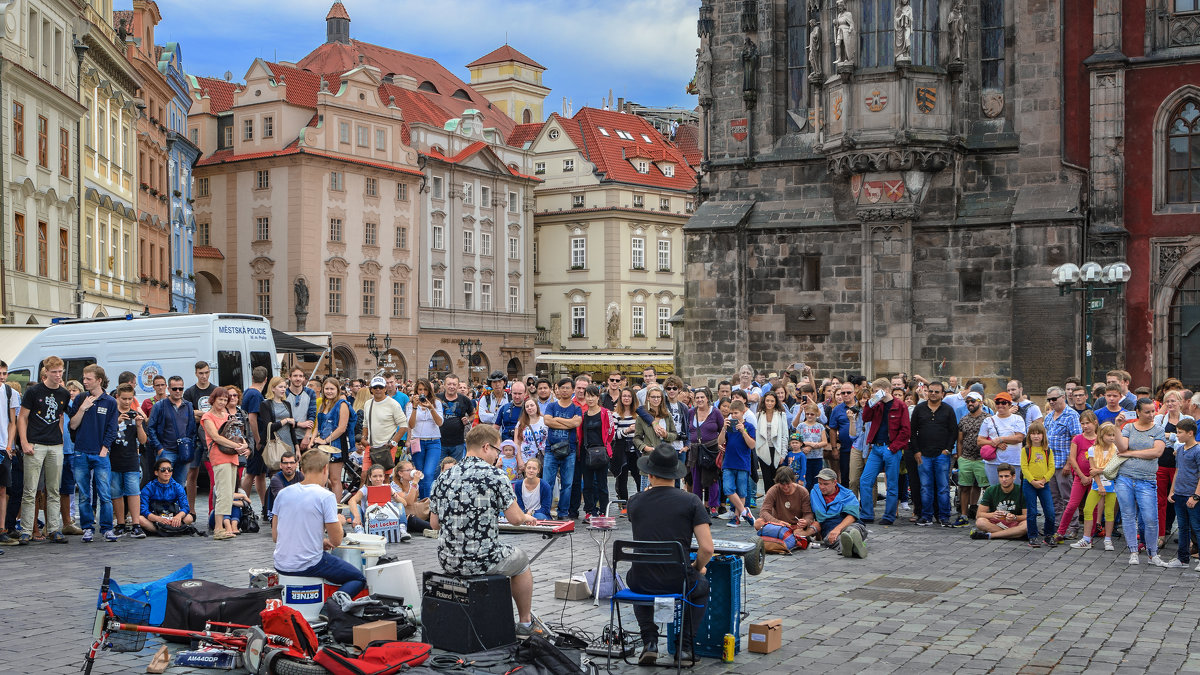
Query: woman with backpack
(223,453)
(334,425)
(705,426)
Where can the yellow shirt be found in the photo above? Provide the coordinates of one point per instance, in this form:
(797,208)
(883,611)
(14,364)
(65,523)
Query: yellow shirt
(1037,464)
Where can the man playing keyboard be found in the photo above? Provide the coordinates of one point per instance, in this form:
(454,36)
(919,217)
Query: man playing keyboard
(463,506)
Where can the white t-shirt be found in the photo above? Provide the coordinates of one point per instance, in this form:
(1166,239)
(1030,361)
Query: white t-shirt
(531,498)
(420,423)
(995,427)
(1032,412)
(13,403)
(302,511)
(752,390)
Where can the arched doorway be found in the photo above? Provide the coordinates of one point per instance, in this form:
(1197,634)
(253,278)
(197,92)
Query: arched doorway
(1183,330)
(393,363)
(208,288)
(439,365)
(480,367)
(344,364)
(514,368)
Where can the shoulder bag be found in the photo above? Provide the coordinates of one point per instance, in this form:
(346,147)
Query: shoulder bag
(1113,466)
(988,452)
(185,448)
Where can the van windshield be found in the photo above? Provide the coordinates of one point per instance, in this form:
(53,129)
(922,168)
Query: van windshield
(20,378)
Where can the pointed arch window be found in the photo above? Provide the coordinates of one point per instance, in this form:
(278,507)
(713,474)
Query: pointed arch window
(1183,154)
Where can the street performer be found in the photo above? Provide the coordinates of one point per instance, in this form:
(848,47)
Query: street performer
(463,505)
(665,513)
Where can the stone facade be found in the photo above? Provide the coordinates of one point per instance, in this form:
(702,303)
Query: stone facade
(868,214)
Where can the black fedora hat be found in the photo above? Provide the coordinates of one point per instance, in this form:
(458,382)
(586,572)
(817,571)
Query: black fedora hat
(662,462)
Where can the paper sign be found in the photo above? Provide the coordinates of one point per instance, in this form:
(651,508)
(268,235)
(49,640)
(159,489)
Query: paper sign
(664,610)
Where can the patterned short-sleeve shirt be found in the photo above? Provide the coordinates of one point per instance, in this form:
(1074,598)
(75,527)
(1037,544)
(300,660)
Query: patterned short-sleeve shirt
(969,426)
(468,499)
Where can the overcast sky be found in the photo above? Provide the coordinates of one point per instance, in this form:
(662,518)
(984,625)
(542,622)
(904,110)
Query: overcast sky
(643,50)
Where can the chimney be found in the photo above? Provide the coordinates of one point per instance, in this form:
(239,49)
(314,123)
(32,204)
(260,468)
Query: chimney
(337,25)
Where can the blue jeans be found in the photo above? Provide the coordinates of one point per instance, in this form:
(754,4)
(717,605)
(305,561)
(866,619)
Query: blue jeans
(735,481)
(1189,527)
(336,571)
(458,452)
(934,472)
(812,467)
(180,469)
(1139,504)
(880,458)
(564,470)
(427,461)
(92,472)
(1032,496)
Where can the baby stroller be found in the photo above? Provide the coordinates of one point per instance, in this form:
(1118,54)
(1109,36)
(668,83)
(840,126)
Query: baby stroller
(351,475)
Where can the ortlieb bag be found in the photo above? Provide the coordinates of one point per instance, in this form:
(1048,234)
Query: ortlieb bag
(193,602)
(381,657)
(287,622)
(780,539)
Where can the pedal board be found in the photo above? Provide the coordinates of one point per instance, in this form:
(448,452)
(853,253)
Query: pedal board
(598,649)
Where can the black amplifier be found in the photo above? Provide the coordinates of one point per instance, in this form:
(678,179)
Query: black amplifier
(467,614)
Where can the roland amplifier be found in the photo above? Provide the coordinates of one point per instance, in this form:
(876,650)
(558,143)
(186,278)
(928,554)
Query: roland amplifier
(467,614)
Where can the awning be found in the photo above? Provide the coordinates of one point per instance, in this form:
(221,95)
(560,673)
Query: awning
(290,344)
(594,358)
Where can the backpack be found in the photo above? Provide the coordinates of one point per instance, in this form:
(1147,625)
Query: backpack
(379,658)
(1022,409)
(781,540)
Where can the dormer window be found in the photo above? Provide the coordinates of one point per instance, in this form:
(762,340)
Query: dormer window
(461,94)
(668,169)
(642,166)
(427,86)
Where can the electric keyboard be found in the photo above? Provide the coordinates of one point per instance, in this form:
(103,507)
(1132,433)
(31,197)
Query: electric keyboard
(542,527)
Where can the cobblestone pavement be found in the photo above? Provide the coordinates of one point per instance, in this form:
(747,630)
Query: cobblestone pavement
(925,600)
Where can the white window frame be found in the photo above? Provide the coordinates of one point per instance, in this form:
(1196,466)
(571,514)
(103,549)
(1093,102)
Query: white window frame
(469,242)
(577,201)
(514,248)
(335,295)
(639,201)
(344,132)
(637,253)
(664,204)
(262,228)
(381,139)
(436,187)
(469,295)
(336,181)
(439,292)
(468,193)
(362,134)
(372,186)
(262,294)
(248,129)
(369,295)
(437,241)
(539,168)
(637,321)
(568,165)
(664,321)
(401,237)
(401,192)
(512,202)
(268,123)
(668,170)
(485,243)
(370,234)
(262,179)
(514,299)
(643,166)
(664,255)
(336,232)
(485,297)
(579,321)
(485,196)
(398,299)
(578,252)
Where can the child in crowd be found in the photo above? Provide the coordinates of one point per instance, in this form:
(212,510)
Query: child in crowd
(814,441)
(376,476)
(508,460)
(795,456)
(1184,490)
(1080,470)
(1099,455)
(1037,470)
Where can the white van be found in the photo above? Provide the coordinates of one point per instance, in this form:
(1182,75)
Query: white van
(166,344)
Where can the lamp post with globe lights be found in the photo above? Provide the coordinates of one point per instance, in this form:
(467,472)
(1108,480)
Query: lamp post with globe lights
(1090,279)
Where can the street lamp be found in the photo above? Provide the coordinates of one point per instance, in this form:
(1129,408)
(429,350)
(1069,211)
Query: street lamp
(373,346)
(467,348)
(1090,279)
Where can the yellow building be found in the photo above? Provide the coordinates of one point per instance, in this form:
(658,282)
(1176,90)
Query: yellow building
(608,257)
(512,82)
(109,211)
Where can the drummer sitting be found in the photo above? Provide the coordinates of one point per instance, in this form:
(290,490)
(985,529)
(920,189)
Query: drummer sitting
(463,506)
(306,527)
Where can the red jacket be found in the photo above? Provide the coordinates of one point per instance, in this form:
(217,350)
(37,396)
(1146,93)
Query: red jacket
(899,425)
(606,430)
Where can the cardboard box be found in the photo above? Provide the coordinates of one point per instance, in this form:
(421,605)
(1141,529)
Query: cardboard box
(766,636)
(571,589)
(366,633)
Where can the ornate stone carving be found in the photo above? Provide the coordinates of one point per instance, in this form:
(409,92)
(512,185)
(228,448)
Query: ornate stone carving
(612,324)
(400,272)
(874,214)
(370,267)
(704,74)
(850,163)
(844,35)
(956,23)
(904,32)
(1184,30)
(992,102)
(1168,256)
(262,265)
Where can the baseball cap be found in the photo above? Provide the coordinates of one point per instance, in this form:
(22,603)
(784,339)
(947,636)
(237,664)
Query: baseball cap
(975,395)
(1002,396)
(977,388)
(826,474)
(378,382)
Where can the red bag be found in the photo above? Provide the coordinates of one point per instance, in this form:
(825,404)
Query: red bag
(988,452)
(289,623)
(379,658)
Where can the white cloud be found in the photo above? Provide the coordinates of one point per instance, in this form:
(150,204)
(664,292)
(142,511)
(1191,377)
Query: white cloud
(640,49)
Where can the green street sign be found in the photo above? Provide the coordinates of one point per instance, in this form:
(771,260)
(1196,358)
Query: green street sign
(1095,304)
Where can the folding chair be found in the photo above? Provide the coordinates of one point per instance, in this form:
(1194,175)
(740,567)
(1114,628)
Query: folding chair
(667,553)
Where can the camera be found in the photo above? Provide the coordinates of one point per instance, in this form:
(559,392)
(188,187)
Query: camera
(856,409)
(422,398)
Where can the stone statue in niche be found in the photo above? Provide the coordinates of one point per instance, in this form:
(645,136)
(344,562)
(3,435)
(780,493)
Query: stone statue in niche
(749,67)
(904,32)
(704,72)
(814,47)
(843,36)
(612,325)
(957,24)
(301,289)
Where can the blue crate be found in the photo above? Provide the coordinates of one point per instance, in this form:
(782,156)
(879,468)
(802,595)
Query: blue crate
(722,614)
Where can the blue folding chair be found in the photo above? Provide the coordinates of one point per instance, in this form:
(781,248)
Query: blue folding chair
(667,553)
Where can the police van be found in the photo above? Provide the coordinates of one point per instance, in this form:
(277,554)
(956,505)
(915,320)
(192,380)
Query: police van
(166,344)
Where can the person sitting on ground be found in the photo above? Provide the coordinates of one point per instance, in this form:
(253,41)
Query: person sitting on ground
(241,502)
(464,502)
(288,474)
(164,504)
(305,528)
(405,479)
(789,504)
(836,510)
(378,477)
(663,513)
(1001,513)
(533,493)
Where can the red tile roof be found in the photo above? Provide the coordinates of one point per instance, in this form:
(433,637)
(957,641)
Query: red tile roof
(503,54)
(523,133)
(611,153)
(338,58)
(687,139)
(207,252)
(219,92)
(470,150)
(227,157)
(338,11)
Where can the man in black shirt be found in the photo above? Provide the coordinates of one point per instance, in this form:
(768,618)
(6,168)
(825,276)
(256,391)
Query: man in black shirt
(197,395)
(39,427)
(665,513)
(934,431)
(612,393)
(456,417)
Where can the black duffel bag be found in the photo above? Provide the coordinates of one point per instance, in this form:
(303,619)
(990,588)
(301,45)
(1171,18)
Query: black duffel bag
(192,602)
